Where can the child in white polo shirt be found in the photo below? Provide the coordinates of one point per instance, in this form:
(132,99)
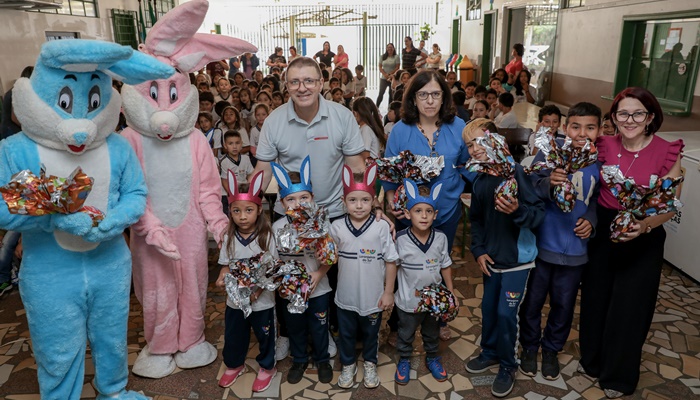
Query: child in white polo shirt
(366,274)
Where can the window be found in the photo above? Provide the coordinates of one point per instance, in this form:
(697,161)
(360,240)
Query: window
(473,9)
(574,3)
(161,8)
(61,35)
(80,8)
(124,26)
(662,56)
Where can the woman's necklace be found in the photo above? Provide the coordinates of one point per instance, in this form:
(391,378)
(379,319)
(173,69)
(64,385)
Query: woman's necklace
(636,156)
(433,153)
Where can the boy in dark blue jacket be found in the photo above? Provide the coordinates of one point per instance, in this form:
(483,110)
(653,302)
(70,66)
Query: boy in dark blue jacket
(505,249)
(562,242)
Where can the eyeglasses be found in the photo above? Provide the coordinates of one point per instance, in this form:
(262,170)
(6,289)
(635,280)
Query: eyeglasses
(424,95)
(308,83)
(624,116)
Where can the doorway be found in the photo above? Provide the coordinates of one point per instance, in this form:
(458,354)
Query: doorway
(490,18)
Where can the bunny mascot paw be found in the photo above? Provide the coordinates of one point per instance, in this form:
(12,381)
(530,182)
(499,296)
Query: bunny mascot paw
(123,395)
(75,278)
(170,246)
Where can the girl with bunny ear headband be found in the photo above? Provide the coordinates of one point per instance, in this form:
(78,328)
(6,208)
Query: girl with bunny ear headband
(76,277)
(169,244)
(366,185)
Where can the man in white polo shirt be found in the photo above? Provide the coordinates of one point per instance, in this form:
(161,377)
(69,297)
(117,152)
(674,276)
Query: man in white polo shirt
(310,125)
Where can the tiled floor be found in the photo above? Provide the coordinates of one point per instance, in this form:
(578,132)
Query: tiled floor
(670,367)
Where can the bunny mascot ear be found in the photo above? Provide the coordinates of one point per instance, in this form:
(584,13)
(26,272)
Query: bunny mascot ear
(305,171)
(175,36)
(435,192)
(371,174)
(256,184)
(348,179)
(411,189)
(281,176)
(232,184)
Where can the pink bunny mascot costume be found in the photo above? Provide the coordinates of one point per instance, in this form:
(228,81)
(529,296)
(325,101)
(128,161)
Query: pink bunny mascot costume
(169,243)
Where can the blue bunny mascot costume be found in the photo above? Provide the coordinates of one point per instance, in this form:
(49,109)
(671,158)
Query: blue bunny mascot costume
(75,278)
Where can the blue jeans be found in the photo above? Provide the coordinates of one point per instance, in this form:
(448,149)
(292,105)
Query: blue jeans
(7,251)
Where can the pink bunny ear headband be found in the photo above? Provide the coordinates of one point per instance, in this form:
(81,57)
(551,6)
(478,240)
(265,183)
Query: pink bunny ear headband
(254,190)
(367,184)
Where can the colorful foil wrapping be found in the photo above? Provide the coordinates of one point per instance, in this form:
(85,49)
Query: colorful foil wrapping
(499,163)
(309,226)
(566,157)
(400,199)
(437,300)
(407,165)
(293,285)
(28,194)
(639,201)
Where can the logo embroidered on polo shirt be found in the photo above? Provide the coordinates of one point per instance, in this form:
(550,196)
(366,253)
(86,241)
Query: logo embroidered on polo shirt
(321,138)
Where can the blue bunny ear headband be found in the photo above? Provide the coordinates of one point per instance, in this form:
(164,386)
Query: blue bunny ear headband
(286,187)
(415,198)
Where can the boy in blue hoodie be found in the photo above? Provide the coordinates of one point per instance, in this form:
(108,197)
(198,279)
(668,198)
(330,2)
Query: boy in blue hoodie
(562,242)
(505,249)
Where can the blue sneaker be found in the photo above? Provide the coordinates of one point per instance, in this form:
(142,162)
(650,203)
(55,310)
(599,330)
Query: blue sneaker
(403,372)
(435,367)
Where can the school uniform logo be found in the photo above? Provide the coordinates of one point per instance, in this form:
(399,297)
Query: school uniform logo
(367,255)
(373,318)
(322,317)
(432,264)
(513,298)
(266,330)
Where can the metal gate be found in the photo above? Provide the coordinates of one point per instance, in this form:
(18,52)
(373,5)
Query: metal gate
(124,25)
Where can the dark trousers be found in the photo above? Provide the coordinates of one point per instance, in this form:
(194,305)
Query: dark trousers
(332,275)
(503,294)
(350,324)
(383,85)
(429,328)
(280,305)
(237,337)
(618,299)
(561,283)
(313,321)
(224,202)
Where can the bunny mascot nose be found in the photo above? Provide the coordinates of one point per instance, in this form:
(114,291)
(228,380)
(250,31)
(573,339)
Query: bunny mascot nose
(165,122)
(77,133)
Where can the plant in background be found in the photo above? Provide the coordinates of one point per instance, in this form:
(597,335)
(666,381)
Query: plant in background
(426,31)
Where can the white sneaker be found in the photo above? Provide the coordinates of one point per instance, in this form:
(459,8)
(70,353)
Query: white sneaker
(347,376)
(332,348)
(371,379)
(281,348)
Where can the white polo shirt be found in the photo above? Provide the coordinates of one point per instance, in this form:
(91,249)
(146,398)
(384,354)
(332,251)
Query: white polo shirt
(331,135)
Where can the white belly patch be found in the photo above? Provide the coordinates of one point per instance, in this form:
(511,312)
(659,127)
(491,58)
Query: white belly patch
(96,164)
(168,170)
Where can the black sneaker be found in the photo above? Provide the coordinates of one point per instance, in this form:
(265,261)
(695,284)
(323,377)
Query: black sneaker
(503,384)
(297,372)
(479,364)
(325,373)
(528,362)
(550,365)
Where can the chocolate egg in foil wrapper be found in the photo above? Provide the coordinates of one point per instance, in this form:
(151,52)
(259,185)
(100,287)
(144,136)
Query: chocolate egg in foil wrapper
(566,157)
(293,285)
(311,225)
(239,295)
(437,300)
(407,165)
(639,201)
(499,163)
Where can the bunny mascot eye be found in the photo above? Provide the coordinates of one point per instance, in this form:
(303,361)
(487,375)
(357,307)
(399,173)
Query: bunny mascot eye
(68,110)
(184,190)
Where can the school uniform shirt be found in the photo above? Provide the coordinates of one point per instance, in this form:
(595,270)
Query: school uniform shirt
(361,269)
(247,248)
(360,86)
(219,132)
(470,103)
(387,128)
(218,97)
(306,257)
(420,265)
(523,97)
(370,140)
(241,168)
(254,136)
(348,87)
(210,137)
(507,120)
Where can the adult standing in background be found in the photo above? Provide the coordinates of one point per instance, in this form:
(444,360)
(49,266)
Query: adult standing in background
(434,59)
(216,69)
(516,64)
(234,64)
(249,63)
(620,284)
(341,58)
(409,56)
(277,60)
(388,65)
(421,64)
(293,55)
(325,56)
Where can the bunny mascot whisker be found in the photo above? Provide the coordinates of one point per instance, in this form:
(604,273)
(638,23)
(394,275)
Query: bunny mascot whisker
(76,273)
(169,243)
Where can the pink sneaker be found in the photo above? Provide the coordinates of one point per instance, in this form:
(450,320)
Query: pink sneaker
(230,375)
(264,379)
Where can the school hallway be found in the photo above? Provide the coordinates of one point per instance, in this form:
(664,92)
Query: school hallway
(670,366)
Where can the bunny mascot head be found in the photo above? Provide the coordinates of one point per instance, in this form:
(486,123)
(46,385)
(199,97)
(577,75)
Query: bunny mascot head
(184,188)
(75,278)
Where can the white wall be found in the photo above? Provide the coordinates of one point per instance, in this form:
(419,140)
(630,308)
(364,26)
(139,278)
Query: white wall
(23,32)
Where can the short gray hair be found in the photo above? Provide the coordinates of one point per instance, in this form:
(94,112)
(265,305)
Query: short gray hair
(305,62)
